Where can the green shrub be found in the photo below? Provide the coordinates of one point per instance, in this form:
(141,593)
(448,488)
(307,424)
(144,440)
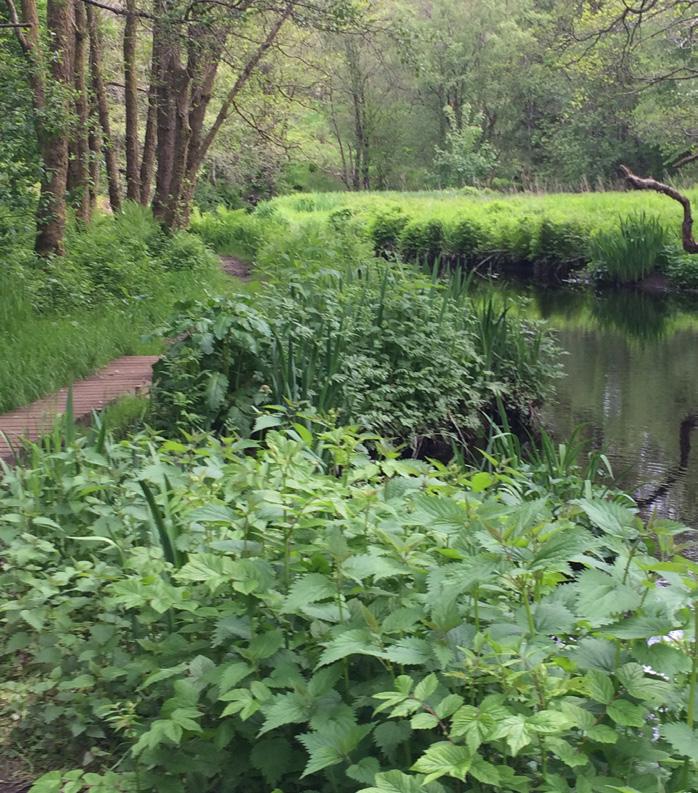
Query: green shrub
(422,240)
(379,345)
(300,616)
(184,251)
(385,230)
(631,252)
(233,232)
(681,269)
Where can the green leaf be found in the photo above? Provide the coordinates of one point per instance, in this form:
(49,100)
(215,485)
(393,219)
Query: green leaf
(626,713)
(423,721)
(444,759)
(425,688)
(548,722)
(516,732)
(307,589)
(410,651)
(332,745)
(599,687)
(682,738)
(394,782)
(265,422)
(602,733)
(352,642)
(289,708)
(633,678)
(216,390)
(163,674)
(600,596)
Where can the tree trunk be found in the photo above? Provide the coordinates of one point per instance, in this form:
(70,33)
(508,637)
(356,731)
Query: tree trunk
(103,110)
(53,140)
(80,166)
(148,159)
(167,56)
(95,146)
(133,188)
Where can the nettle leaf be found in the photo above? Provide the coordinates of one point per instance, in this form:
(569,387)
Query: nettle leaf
(591,653)
(364,566)
(600,596)
(633,678)
(560,549)
(612,518)
(626,713)
(352,642)
(682,738)
(444,759)
(289,708)
(390,735)
(440,513)
(478,724)
(307,589)
(599,687)
(332,745)
(394,782)
(273,757)
(364,771)
(410,651)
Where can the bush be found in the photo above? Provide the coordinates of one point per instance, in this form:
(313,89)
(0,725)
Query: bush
(300,616)
(379,345)
(422,240)
(184,251)
(233,232)
(385,230)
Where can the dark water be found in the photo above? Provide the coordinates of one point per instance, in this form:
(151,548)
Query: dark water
(631,376)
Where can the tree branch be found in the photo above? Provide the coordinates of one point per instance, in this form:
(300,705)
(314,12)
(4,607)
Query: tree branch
(689,244)
(242,79)
(17,26)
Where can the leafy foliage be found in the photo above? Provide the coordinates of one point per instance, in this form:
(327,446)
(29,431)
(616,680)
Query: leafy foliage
(405,356)
(316,627)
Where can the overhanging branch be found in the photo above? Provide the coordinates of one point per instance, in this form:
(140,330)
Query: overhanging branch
(689,244)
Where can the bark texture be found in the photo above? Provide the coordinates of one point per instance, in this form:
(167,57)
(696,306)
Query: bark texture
(100,96)
(133,181)
(689,244)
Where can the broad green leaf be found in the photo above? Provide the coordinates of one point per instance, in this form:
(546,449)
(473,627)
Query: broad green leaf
(626,713)
(516,731)
(444,759)
(602,733)
(307,589)
(599,686)
(682,738)
(600,596)
(332,745)
(394,782)
(352,642)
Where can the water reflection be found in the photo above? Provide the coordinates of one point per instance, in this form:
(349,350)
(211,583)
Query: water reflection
(631,375)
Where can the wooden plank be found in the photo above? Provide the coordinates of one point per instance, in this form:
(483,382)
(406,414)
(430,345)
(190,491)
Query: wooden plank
(128,375)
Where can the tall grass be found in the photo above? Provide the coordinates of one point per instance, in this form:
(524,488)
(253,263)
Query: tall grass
(62,319)
(630,252)
(545,232)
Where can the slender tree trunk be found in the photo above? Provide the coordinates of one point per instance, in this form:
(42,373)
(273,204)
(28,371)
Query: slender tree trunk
(181,92)
(95,146)
(133,189)
(150,140)
(165,40)
(53,139)
(100,96)
(81,165)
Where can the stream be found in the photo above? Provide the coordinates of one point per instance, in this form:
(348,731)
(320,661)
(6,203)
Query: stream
(631,377)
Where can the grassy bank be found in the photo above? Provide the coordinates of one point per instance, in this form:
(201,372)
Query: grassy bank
(622,237)
(119,281)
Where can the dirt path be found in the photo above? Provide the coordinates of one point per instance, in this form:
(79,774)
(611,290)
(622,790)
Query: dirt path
(235,267)
(128,375)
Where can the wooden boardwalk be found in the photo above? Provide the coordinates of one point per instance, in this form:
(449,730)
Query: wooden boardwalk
(128,375)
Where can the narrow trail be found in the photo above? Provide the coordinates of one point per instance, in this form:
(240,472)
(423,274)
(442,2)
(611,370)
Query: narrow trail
(131,374)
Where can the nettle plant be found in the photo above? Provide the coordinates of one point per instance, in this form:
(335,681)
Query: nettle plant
(298,616)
